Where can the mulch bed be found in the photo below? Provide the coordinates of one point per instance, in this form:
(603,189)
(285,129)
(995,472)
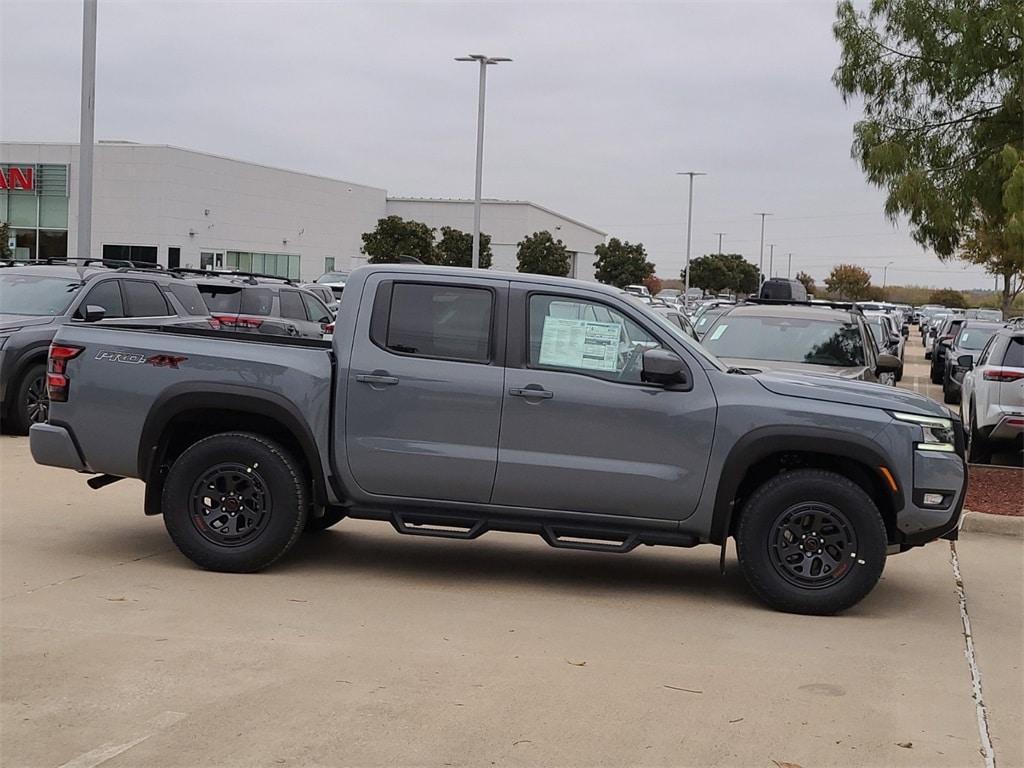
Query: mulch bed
(996,490)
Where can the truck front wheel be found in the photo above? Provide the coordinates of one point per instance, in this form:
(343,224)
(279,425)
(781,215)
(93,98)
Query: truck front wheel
(811,541)
(235,502)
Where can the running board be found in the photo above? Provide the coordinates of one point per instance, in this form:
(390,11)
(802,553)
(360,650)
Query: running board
(560,536)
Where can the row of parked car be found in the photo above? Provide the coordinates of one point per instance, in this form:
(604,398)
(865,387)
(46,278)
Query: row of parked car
(36,298)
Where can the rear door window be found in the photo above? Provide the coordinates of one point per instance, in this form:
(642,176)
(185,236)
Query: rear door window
(440,321)
(291,306)
(106,294)
(144,299)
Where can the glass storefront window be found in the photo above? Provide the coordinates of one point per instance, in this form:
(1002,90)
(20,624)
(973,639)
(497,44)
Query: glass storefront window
(293,267)
(53,244)
(22,209)
(24,243)
(53,211)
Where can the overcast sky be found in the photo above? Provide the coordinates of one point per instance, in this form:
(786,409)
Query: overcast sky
(602,105)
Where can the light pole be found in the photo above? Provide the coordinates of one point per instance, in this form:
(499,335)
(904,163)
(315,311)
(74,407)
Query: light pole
(689,220)
(760,262)
(885,270)
(771,260)
(483,61)
(789,266)
(86,136)
(720,241)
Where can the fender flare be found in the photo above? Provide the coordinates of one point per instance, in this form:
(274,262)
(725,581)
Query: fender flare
(761,443)
(180,398)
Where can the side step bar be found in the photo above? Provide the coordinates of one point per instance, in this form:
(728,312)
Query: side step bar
(560,536)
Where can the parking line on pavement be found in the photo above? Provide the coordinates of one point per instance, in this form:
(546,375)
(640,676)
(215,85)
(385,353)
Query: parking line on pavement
(983,732)
(108,751)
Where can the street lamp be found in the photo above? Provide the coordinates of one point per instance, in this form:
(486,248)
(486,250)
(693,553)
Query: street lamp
(483,61)
(689,220)
(760,262)
(885,269)
(86,130)
(720,234)
(771,260)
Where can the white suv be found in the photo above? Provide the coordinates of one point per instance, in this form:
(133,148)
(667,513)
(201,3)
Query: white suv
(992,407)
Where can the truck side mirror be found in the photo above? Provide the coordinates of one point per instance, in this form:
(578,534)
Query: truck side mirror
(965,362)
(666,369)
(94,313)
(887,364)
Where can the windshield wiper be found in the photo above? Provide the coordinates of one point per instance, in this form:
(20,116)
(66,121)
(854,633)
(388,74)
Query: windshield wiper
(743,371)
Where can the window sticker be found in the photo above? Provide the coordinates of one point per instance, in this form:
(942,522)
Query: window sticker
(717,333)
(580,344)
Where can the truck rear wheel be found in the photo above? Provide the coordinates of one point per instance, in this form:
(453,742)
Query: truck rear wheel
(811,541)
(235,502)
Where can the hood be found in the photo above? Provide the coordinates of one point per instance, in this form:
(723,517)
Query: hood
(832,389)
(843,371)
(14,322)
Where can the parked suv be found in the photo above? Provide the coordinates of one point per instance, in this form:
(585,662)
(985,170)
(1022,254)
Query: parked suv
(888,339)
(969,341)
(36,299)
(943,340)
(263,303)
(992,404)
(799,337)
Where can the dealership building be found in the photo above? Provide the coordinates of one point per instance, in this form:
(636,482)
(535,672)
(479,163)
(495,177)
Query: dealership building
(177,207)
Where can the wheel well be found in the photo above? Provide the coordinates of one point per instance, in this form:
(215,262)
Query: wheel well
(15,381)
(188,427)
(868,478)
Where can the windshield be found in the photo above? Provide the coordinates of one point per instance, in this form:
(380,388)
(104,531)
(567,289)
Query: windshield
(333,277)
(37,295)
(787,340)
(975,338)
(703,321)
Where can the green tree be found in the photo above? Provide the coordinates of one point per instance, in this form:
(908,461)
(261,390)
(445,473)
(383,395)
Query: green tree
(395,237)
(947,297)
(717,272)
(621,263)
(455,249)
(541,254)
(807,281)
(943,90)
(849,282)
(5,249)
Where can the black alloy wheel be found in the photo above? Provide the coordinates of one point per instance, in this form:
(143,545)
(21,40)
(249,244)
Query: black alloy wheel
(812,545)
(37,401)
(230,505)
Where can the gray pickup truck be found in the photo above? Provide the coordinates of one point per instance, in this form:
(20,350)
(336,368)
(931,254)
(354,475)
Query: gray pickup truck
(454,402)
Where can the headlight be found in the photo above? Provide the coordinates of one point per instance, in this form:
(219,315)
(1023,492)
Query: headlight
(937,433)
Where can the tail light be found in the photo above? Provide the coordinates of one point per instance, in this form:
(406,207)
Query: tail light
(237,321)
(57,381)
(1002,374)
(214,323)
(328,327)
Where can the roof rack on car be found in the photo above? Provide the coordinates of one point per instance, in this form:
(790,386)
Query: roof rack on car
(83,261)
(233,273)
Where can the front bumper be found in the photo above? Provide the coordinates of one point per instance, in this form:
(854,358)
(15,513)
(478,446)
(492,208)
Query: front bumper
(54,446)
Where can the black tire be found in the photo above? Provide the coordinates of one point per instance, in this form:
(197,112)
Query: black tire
(936,375)
(235,502)
(978,449)
(330,518)
(31,404)
(835,571)
(899,373)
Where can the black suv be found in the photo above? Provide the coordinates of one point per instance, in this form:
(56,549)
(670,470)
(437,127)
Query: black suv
(248,301)
(37,298)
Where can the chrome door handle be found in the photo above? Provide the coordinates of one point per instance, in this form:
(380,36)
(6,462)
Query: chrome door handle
(540,394)
(376,379)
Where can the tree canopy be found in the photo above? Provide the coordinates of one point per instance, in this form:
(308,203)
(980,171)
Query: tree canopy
(395,237)
(541,254)
(717,272)
(947,297)
(850,282)
(5,233)
(807,281)
(455,249)
(621,263)
(942,86)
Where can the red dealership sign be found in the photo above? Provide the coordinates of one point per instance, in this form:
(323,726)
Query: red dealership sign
(14,177)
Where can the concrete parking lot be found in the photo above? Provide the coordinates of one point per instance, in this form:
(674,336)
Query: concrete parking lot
(366,648)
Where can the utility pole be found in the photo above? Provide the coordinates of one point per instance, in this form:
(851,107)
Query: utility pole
(689,221)
(771,260)
(885,270)
(760,262)
(87,128)
(720,241)
(789,266)
(484,62)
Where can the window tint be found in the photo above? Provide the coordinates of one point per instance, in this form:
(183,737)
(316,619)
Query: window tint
(257,301)
(586,337)
(1014,357)
(291,306)
(317,311)
(104,294)
(222,298)
(440,321)
(144,299)
(190,299)
(983,359)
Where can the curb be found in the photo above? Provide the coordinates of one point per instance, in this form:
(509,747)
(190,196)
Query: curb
(999,525)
